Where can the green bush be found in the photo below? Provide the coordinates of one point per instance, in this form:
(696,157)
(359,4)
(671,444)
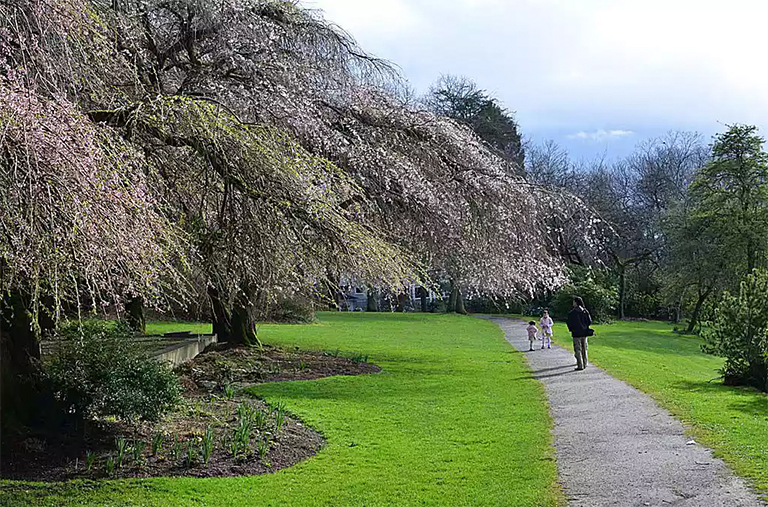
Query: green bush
(599,297)
(97,370)
(492,305)
(739,332)
(641,304)
(292,310)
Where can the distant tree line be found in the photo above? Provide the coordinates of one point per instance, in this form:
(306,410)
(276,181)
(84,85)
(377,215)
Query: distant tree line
(689,229)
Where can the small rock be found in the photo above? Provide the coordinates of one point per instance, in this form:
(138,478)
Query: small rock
(205,384)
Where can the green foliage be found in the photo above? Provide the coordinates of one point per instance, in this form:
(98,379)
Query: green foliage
(739,332)
(643,304)
(280,414)
(262,448)
(98,370)
(157,443)
(109,465)
(90,457)
(731,194)
(292,310)
(137,451)
(599,294)
(492,305)
(259,420)
(241,438)
(208,441)
(176,448)
(191,456)
(122,447)
(461,99)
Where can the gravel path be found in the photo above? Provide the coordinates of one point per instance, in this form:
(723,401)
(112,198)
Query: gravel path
(616,447)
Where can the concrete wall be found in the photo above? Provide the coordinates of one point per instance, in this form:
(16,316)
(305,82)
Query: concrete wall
(189,349)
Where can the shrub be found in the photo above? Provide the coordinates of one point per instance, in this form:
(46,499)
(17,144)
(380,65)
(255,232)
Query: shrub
(292,310)
(600,297)
(98,370)
(492,305)
(739,332)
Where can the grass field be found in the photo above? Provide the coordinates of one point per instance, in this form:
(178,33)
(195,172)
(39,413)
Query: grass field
(673,370)
(453,419)
(169,326)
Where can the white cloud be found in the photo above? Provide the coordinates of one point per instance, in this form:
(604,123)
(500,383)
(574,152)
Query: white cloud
(600,135)
(371,21)
(575,66)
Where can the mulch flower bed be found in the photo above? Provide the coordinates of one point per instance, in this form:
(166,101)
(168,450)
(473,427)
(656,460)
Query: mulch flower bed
(217,431)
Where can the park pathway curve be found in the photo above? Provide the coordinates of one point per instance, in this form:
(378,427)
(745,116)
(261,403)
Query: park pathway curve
(616,447)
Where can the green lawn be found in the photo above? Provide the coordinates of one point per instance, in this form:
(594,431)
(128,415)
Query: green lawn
(673,370)
(453,419)
(161,327)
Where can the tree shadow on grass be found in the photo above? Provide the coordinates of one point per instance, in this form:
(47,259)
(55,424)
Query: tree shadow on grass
(748,399)
(659,344)
(556,371)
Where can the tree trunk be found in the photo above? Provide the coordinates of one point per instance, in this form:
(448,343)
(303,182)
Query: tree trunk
(244,325)
(222,319)
(460,302)
(451,306)
(424,296)
(679,309)
(455,301)
(402,299)
(20,341)
(19,356)
(373,302)
(697,309)
(134,314)
(622,290)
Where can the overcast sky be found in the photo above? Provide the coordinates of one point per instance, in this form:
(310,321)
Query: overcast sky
(597,76)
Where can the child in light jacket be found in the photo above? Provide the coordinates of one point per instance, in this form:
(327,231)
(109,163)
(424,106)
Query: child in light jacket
(532,330)
(546,330)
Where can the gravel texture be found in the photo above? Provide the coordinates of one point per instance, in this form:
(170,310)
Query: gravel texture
(615,446)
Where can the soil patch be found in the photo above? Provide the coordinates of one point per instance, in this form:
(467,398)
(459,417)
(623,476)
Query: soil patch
(220,366)
(217,431)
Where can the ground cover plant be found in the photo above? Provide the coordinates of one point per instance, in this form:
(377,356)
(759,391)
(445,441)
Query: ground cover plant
(126,428)
(680,377)
(452,417)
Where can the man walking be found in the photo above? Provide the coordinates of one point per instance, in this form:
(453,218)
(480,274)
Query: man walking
(579,321)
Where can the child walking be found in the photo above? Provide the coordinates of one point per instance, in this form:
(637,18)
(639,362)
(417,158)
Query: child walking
(546,330)
(532,330)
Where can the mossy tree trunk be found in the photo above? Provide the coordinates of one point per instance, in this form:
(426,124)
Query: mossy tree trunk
(402,300)
(455,300)
(222,319)
(703,295)
(450,307)
(134,314)
(424,296)
(19,358)
(373,301)
(460,302)
(236,325)
(244,329)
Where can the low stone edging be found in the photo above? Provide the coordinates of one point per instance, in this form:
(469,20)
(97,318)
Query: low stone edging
(188,349)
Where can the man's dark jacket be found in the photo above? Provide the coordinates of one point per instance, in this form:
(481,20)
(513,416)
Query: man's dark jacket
(579,321)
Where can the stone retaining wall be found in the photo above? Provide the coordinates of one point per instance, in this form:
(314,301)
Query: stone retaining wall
(186,350)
